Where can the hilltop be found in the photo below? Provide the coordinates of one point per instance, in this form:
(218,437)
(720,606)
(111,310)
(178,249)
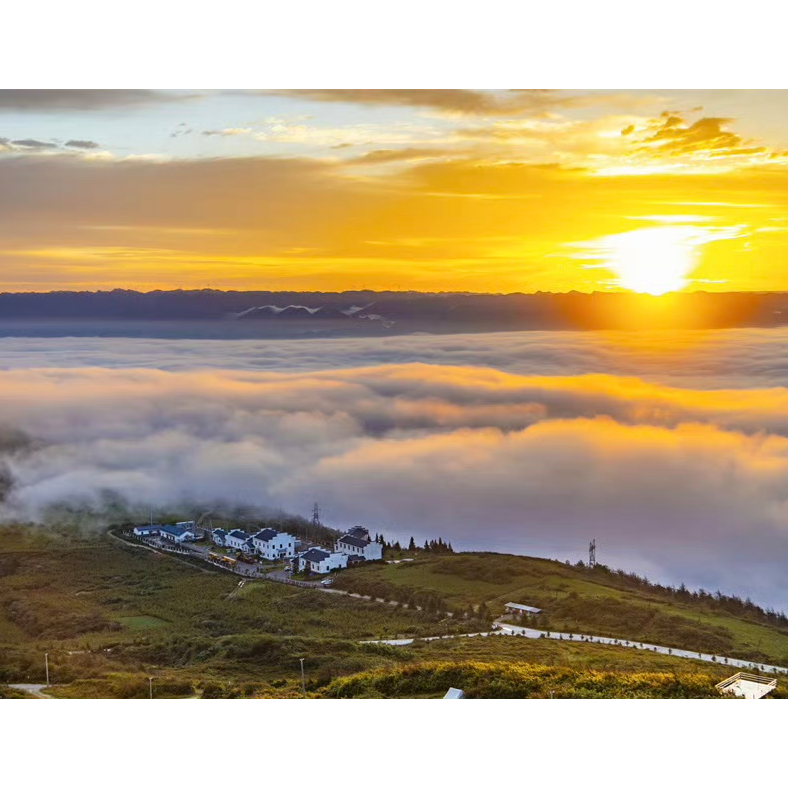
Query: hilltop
(578,599)
(111,614)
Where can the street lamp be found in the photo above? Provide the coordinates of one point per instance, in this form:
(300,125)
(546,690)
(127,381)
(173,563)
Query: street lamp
(150,686)
(46,666)
(303,683)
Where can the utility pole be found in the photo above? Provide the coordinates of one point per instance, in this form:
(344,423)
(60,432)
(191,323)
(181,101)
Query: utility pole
(150,687)
(46,666)
(592,554)
(303,682)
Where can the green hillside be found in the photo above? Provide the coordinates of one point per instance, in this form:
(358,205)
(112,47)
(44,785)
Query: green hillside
(581,600)
(110,615)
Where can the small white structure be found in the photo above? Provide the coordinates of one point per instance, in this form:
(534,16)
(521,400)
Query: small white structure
(747,685)
(321,561)
(523,610)
(274,545)
(454,694)
(239,540)
(357,542)
(146,530)
(219,535)
(177,534)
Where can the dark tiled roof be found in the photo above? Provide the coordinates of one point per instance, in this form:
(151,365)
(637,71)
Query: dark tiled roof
(359,532)
(315,554)
(353,540)
(239,534)
(219,532)
(266,535)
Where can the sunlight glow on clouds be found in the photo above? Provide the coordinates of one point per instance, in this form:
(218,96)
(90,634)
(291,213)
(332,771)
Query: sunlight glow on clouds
(300,187)
(655,260)
(663,476)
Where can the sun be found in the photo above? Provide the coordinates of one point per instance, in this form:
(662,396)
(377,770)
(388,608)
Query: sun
(654,260)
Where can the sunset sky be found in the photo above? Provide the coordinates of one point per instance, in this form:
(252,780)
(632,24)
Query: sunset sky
(492,191)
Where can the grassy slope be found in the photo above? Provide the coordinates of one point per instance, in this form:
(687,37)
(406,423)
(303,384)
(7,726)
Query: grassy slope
(9,693)
(106,611)
(515,680)
(111,614)
(575,599)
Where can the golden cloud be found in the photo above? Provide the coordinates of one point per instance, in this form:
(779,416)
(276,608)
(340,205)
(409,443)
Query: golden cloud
(659,475)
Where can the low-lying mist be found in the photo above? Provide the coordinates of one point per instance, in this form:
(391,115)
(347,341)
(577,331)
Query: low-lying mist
(682,484)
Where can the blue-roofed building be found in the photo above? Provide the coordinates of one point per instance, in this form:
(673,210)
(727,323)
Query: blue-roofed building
(274,545)
(321,561)
(146,530)
(176,533)
(239,540)
(357,542)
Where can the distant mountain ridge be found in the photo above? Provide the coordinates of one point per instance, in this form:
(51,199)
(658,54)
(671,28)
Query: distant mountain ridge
(407,311)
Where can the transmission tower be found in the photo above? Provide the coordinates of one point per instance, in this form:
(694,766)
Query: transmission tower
(316,515)
(592,554)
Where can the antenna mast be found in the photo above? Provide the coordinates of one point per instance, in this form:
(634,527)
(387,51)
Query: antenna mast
(592,554)
(316,515)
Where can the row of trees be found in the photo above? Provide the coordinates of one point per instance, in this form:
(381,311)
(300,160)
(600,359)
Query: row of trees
(710,600)
(435,546)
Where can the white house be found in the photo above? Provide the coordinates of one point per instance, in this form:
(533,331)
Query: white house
(239,540)
(357,542)
(219,535)
(274,545)
(146,530)
(523,610)
(321,561)
(175,533)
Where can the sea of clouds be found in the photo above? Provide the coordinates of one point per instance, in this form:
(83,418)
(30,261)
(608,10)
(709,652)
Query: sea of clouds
(670,450)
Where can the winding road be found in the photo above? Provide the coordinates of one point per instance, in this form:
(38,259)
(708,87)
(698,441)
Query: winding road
(505,628)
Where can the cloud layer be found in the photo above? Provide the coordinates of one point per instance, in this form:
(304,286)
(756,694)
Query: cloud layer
(735,358)
(463,102)
(42,100)
(682,483)
(491,204)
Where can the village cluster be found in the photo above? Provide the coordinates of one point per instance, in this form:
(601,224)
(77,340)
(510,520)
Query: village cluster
(268,544)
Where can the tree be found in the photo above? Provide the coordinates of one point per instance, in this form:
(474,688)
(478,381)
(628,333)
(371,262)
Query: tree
(412,545)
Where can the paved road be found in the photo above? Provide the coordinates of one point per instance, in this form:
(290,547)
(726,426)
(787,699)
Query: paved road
(33,689)
(513,630)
